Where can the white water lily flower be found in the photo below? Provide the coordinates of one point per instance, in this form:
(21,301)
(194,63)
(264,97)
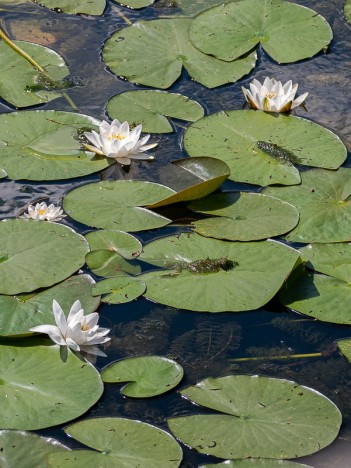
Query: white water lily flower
(43,212)
(118,142)
(273,96)
(78,331)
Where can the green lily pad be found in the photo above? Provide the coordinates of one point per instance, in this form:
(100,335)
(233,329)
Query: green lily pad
(262,148)
(44,145)
(21,84)
(3,174)
(151,109)
(24,311)
(119,290)
(323,200)
(87,7)
(40,388)
(347,10)
(244,216)
(209,275)
(108,264)
(345,347)
(26,450)
(287,32)
(256,462)
(117,205)
(119,242)
(136,4)
(148,375)
(37,254)
(191,8)
(154,52)
(141,445)
(258,417)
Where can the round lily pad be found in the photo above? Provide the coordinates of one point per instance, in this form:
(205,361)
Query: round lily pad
(40,388)
(44,145)
(24,311)
(244,216)
(37,254)
(154,52)
(121,443)
(256,462)
(119,290)
(88,7)
(119,242)
(151,109)
(117,205)
(258,417)
(287,32)
(345,347)
(323,201)
(106,263)
(210,275)
(262,148)
(148,375)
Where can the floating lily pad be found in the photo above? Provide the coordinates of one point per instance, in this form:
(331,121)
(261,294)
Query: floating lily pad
(88,7)
(40,389)
(24,311)
(148,375)
(191,8)
(345,347)
(287,32)
(244,216)
(141,445)
(347,10)
(151,109)
(21,84)
(136,4)
(26,450)
(106,263)
(119,290)
(209,275)
(154,52)
(258,417)
(37,254)
(256,462)
(324,203)
(44,145)
(117,205)
(2,174)
(262,148)
(119,242)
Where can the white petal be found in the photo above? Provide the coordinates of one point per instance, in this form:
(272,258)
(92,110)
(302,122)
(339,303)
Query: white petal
(53,332)
(92,350)
(298,101)
(75,309)
(91,319)
(60,317)
(72,344)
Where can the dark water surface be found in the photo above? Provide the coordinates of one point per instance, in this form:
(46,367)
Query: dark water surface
(204,344)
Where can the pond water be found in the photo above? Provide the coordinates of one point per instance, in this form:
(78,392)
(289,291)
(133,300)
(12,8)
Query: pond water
(204,344)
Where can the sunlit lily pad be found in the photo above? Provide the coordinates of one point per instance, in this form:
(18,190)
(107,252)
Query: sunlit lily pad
(347,10)
(287,32)
(151,109)
(89,7)
(324,203)
(258,417)
(40,388)
(345,347)
(2,174)
(44,145)
(106,263)
(119,290)
(147,375)
(37,254)
(117,205)
(244,216)
(21,84)
(120,242)
(209,275)
(262,148)
(141,445)
(24,311)
(256,462)
(154,52)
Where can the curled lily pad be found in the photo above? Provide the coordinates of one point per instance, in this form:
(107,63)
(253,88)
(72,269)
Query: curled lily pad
(44,145)
(119,290)
(141,445)
(244,216)
(21,312)
(106,263)
(154,52)
(263,148)
(151,109)
(120,242)
(258,417)
(88,7)
(148,375)
(2,174)
(287,32)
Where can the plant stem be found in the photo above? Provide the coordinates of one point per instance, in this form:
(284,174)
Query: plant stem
(274,358)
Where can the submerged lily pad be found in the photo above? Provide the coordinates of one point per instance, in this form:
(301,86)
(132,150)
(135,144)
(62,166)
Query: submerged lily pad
(258,417)
(21,84)
(262,148)
(44,145)
(37,254)
(209,275)
(141,445)
(151,109)
(287,32)
(256,462)
(347,10)
(88,7)
(40,389)
(154,52)
(244,216)
(119,290)
(24,311)
(324,203)
(117,205)
(148,375)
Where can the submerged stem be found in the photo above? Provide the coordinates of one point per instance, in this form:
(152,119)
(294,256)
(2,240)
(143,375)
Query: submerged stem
(289,356)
